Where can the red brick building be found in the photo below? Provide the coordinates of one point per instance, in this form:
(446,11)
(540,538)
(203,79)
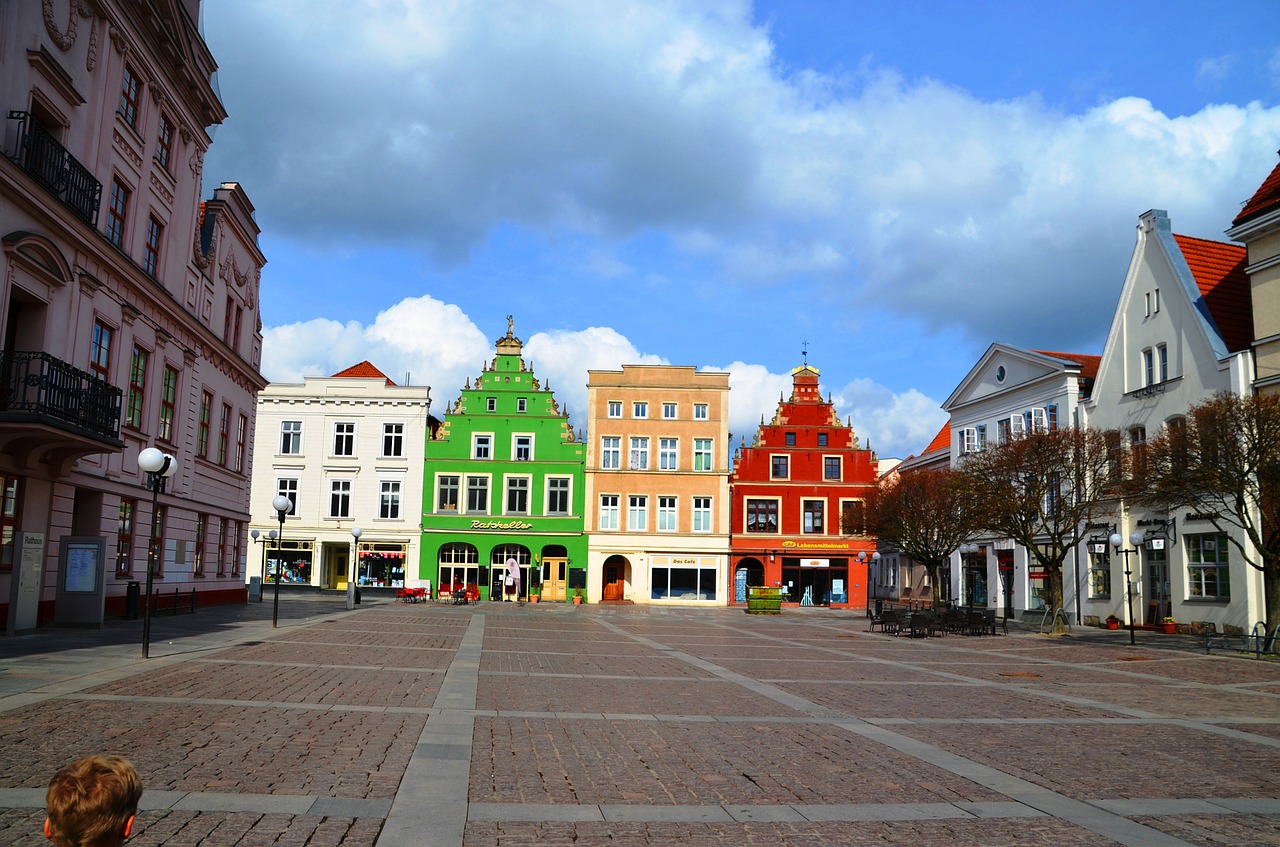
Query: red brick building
(798,495)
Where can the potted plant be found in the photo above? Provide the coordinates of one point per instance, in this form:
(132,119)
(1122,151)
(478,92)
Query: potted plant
(578,594)
(1113,622)
(1168,626)
(535,593)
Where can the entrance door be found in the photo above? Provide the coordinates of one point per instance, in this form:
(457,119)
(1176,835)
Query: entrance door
(613,582)
(554,574)
(1159,605)
(335,566)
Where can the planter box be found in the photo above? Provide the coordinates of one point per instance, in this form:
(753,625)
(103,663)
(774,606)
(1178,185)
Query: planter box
(762,600)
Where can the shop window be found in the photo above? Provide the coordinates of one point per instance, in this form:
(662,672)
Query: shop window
(1208,566)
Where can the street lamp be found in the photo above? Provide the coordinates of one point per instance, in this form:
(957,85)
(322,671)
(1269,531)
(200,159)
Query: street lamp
(351,583)
(266,539)
(159,467)
(1117,541)
(283,505)
(874,561)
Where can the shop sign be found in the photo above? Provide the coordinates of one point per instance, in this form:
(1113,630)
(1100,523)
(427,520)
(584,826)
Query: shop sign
(817,545)
(502,525)
(815,563)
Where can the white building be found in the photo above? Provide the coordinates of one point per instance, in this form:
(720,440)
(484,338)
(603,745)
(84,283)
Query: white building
(1181,333)
(348,451)
(1011,391)
(128,312)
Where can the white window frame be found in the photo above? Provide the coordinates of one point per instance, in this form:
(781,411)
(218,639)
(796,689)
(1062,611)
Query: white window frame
(516,445)
(389,491)
(609,513)
(514,483)
(344,438)
(340,498)
(393,436)
(669,411)
(668,454)
(567,491)
(290,437)
(479,440)
(839,460)
(702,514)
(488,493)
(700,411)
(458,493)
(639,409)
(637,513)
(615,408)
(668,513)
(805,525)
(638,453)
(611,452)
(704,452)
(786,460)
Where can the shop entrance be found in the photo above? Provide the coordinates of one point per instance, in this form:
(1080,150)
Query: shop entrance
(335,565)
(810,585)
(1159,605)
(614,579)
(555,574)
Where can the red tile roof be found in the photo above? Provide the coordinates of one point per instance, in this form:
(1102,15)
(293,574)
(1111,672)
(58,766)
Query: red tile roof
(1219,272)
(1088,364)
(364,370)
(1266,198)
(941,441)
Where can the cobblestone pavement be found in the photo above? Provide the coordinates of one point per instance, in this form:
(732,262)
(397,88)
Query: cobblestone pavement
(502,725)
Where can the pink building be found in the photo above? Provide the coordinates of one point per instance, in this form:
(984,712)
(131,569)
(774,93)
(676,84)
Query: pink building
(128,314)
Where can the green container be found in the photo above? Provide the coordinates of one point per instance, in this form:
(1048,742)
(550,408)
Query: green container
(763,600)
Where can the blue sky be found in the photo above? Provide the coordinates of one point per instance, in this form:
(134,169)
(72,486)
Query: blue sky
(895,184)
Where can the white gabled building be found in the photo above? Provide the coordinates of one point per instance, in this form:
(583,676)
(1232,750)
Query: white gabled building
(1008,392)
(1181,333)
(348,450)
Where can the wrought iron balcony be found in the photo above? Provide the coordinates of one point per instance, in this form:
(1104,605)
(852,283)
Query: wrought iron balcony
(38,388)
(60,173)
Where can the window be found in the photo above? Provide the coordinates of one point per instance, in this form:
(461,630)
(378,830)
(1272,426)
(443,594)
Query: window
(197,549)
(522,404)
(813,511)
(1162,355)
(482,446)
(973,439)
(667,583)
(699,411)
(9,521)
(344,438)
(1034,420)
(822,439)
(1051,416)
(666,514)
(100,351)
(702,454)
(389,500)
(117,213)
(1208,571)
(701,514)
(1099,571)
(778,467)
(392,440)
(235,328)
(831,467)
(137,388)
(220,563)
(242,441)
(168,402)
(130,95)
(1017,426)
(224,434)
(164,143)
(206,413)
(668,411)
(791,439)
(1004,430)
(611,452)
(288,488)
(522,448)
(639,453)
(151,250)
(447,493)
(762,516)
(1149,366)
(558,488)
(235,547)
(291,438)
(667,454)
(491,404)
(637,513)
(615,408)
(517,495)
(124,537)
(478,495)
(1138,448)
(853,517)
(608,511)
(639,410)
(340,498)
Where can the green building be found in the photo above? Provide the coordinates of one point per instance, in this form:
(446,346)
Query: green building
(504,478)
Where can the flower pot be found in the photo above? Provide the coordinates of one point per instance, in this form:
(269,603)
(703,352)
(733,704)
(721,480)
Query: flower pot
(1113,624)
(577,599)
(1168,628)
(533,598)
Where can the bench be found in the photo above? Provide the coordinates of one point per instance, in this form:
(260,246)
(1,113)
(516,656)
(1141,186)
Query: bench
(174,603)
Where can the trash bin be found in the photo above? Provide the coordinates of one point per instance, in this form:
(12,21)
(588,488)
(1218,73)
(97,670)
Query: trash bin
(133,594)
(357,596)
(879,607)
(255,588)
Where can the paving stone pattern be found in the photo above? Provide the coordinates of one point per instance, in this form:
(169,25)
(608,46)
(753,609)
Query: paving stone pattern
(504,725)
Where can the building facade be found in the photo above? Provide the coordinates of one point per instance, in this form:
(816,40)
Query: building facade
(657,482)
(1182,332)
(1008,393)
(895,576)
(129,312)
(503,480)
(1257,227)
(799,498)
(347,451)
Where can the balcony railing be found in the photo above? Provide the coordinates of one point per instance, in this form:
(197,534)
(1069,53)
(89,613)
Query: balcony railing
(35,386)
(49,163)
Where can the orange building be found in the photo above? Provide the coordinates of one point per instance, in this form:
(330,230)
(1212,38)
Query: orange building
(798,504)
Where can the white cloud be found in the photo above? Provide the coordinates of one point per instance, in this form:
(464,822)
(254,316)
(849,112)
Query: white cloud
(1212,71)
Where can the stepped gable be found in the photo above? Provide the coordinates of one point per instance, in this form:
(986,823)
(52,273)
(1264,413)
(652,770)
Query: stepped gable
(1218,268)
(363,370)
(1265,199)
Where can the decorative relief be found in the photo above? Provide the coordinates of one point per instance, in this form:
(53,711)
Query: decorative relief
(66,40)
(91,58)
(202,260)
(159,187)
(196,163)
(125,148)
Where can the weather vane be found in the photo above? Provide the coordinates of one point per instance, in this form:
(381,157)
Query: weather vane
(805,353)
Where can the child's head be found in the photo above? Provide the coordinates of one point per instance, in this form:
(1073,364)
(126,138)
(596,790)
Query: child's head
(92,802)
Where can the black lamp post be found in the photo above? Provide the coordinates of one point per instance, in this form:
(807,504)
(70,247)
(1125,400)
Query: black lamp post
(158,467)
(283,505)
(872,563)
(355,569)
(265,540)
(1117,541)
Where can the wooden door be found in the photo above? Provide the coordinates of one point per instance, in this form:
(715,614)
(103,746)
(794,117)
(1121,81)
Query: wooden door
(613,585)
(554,575)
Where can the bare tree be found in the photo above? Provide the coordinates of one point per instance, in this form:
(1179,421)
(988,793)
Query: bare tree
(1042,490)
(926,514)
(1223,462)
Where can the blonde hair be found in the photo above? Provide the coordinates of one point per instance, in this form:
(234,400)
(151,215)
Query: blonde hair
(90,800)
